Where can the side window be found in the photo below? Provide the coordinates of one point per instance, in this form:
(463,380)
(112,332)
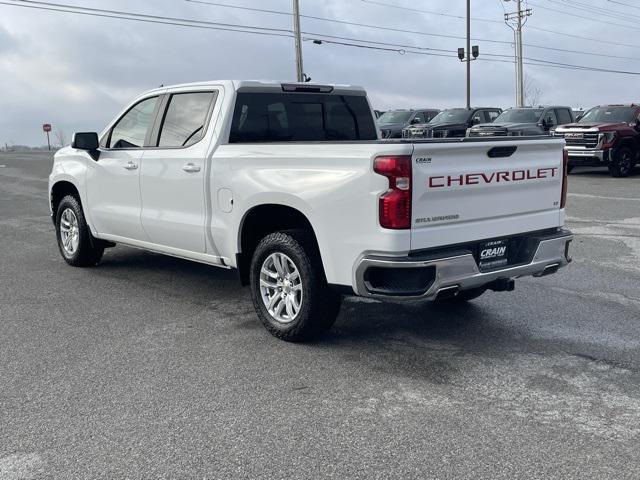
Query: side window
(478,117)
(184,121)
(493,114)
(132,128)
(550,118)
(564,116)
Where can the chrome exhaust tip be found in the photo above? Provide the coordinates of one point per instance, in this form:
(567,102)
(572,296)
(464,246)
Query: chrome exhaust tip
(448,292)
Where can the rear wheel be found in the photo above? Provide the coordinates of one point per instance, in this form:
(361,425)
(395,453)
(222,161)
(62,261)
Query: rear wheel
(288,287)
(77,246)
(623,161)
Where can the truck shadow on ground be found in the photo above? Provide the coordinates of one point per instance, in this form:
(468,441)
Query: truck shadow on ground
(361,322)
(409,340)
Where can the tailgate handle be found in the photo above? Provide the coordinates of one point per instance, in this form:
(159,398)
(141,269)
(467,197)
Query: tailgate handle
(501,152)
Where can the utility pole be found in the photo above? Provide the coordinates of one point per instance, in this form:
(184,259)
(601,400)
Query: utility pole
(519,18)
(296,30)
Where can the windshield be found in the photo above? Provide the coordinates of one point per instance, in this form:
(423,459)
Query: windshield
(397,116)
(520,115)
(455,115)
(609,115)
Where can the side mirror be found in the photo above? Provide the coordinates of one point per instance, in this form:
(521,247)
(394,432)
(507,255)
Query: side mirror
(87,141)
(544,124)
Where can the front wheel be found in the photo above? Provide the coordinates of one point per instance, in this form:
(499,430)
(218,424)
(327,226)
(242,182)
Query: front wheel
(76,244)
(288,287)
(622,163)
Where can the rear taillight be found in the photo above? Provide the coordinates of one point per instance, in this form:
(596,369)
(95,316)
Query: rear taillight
(395,203)
(565,179)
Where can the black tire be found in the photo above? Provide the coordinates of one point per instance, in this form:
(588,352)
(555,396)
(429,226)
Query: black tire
(319,305)
(464,296)
(89,250)
(622,163)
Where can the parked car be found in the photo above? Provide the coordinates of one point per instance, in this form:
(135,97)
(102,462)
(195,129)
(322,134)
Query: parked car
(231,174)
(528,121)
(451,123)
(606,136)
(392,122)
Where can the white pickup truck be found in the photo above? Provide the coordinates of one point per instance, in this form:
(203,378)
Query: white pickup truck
(290,185)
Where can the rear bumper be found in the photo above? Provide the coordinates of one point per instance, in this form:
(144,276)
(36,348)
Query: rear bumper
(427,277)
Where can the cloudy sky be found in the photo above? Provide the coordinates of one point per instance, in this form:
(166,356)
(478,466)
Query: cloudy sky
(77,71)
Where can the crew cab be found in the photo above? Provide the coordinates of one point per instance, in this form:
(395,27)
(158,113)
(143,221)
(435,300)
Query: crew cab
(527,121)
(452,123)
(289,185)
(605,136)
(392,122)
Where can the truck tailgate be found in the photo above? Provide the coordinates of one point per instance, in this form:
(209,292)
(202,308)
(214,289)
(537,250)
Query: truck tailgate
(467,191)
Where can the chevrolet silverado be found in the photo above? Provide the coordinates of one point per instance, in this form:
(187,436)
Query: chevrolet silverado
(290,185)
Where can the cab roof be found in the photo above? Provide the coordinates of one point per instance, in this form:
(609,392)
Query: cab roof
(266,86)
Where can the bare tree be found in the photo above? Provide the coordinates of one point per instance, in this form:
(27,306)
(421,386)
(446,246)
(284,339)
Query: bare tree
(532,92)
(61,137)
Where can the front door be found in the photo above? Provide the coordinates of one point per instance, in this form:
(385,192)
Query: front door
(113,188)
(173,172)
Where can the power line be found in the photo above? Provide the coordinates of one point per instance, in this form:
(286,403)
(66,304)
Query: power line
(121,15)
(431,12)
(379,27)
(586,7)
(529,61)
(575,15)
(580,37)
(625,4)
(365,25)
(95,12)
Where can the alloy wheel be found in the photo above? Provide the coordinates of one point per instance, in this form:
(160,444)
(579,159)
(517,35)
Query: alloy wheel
(281,287)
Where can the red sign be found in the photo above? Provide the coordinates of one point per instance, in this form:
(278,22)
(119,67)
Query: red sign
(46,127)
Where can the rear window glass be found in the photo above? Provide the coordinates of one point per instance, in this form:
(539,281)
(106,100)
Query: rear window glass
(300,117)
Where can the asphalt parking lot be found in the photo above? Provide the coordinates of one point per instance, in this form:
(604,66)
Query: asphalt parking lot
(154,367)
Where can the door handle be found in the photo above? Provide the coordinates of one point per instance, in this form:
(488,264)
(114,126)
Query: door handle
(191,168)
(131,166)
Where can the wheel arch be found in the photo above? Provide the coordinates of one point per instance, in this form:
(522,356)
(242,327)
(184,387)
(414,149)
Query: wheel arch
(60,189)
(261,220)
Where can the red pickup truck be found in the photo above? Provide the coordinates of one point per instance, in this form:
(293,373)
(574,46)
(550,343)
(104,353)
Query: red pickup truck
(605,136)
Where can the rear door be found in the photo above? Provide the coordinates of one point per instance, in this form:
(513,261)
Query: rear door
(470,191)
(173,172)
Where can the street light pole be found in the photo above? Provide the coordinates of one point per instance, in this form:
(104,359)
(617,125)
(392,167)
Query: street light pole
(298,40)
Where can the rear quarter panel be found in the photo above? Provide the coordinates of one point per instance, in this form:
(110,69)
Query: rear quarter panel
(333,185)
